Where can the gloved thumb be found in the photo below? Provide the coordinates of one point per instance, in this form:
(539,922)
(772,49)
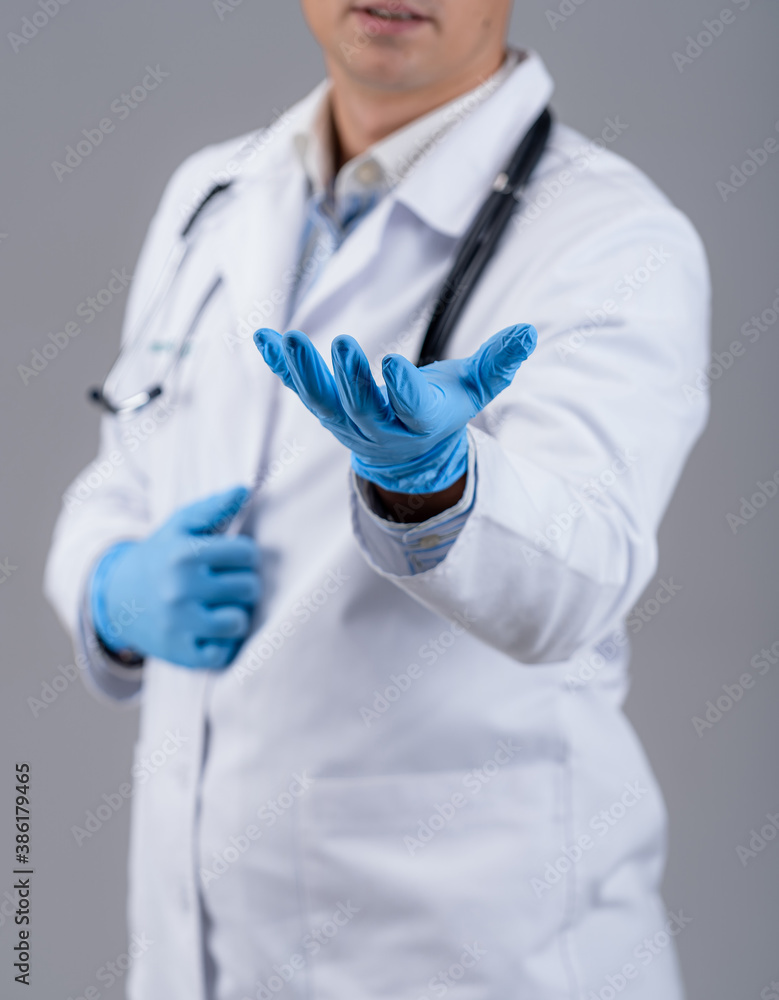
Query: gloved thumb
(494,365)
(414,402)
(212,514)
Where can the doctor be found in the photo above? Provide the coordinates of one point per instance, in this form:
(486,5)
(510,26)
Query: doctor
(401,768)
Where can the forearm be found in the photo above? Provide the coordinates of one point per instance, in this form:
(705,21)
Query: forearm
(537,602)
(410,508)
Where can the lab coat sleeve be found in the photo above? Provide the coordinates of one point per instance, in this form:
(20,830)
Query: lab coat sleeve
(104,675)
(95,517)
(407,547)
(577,459)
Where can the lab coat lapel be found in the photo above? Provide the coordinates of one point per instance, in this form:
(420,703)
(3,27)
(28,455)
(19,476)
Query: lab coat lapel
(256,256)
(350,261)
(261,237)
(259,247)
(449,184)
(447,187)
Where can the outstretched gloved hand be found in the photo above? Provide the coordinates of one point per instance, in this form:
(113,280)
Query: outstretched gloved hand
(408,436)
(184,594)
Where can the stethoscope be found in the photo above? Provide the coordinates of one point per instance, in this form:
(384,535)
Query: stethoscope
(474,254)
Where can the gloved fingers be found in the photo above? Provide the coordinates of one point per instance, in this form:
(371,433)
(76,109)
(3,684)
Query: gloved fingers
(241,587)
(415,402)
(493,366)
(228,621)
(225,552)
(212,654)
(268,343)
(312,379)
(211,514)
(360,396)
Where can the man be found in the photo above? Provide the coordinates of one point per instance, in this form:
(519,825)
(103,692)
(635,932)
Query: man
(391,756)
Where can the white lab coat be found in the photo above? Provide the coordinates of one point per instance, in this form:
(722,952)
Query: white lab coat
(398,789)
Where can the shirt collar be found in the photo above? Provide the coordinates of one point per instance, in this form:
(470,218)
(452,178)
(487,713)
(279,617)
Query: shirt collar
(451,183)
(381,167)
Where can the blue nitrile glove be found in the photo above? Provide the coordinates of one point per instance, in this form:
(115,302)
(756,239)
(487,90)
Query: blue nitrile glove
(409,435)
(184,594)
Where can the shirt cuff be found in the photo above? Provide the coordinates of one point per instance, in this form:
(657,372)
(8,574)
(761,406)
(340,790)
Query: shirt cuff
(108,676)
(412,548)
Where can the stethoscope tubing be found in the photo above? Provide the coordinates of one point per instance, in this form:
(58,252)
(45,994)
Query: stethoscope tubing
(471,259)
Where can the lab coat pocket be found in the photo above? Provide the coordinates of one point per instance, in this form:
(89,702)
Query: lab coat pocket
(419,885)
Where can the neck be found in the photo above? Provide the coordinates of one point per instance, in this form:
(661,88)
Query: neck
(362,115)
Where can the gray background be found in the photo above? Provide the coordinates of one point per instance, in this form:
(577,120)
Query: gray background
(59,242)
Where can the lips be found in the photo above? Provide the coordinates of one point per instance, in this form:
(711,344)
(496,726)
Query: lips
(391,11)
(388,18)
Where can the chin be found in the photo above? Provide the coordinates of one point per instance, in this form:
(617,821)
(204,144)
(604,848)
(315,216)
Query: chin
(387,64)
